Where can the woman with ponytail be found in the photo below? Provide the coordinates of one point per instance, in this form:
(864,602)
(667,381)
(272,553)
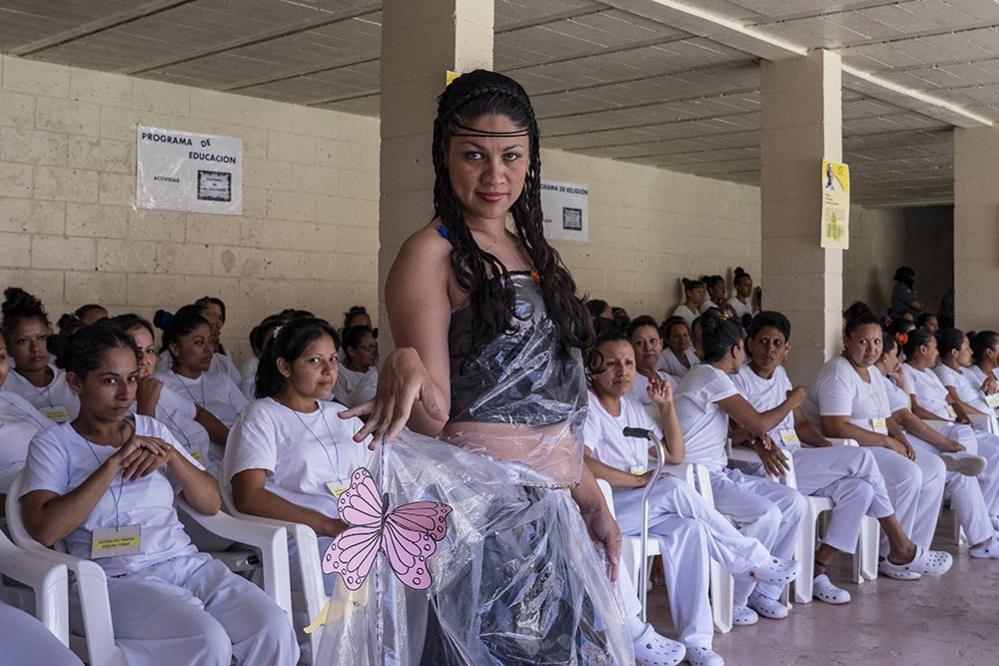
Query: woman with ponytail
(985,353)
(968,394)
(742,302)
(695,296)
(489,333)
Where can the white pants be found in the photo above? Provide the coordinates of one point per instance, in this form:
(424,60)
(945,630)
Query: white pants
(193,610)
(966,498)
(765,510)
(25,640)
(689,532)
(849,476)
(988,448)
(916,490)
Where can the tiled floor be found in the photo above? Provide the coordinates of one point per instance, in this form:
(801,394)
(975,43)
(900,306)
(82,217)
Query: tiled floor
(932,622)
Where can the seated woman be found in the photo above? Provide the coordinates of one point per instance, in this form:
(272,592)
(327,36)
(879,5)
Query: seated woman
(213,311)
(847,475)
(190,424)
(289,455)
(849,398)
(968,395)
(688,529)
(259,336)
(26,330)
(715,285)
(985,370)
(678,357)
(19,421)
(695,295)
(360,359)
(104,486)
(357,315)
(648,346)
(772,513)
(972,459)
(742,302)
(188,339)
(25,640)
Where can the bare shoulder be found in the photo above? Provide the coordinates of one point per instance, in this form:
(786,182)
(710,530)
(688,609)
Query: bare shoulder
(425,245)
(423,258)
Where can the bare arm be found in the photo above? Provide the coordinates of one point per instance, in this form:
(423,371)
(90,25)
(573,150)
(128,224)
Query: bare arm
(251,497)
(922,412)
(612,475)
(662,396)
(760,423)
(920,429)
(218,433)
(199,488)
(807,432)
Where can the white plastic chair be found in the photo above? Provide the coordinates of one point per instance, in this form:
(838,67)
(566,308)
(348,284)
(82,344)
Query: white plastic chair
(49,581)
(97,647)
(312,597)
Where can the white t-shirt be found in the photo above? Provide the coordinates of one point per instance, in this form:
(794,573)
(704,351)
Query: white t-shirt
(838,390)
(898,399)
(639,390)
(220,364)
(19,422)
(59,460)
(683,311)
(603,434)
(967,391)
(705,424)
(57,401)
(248,378)
(177,413)
(348,382)
(306,456)
(741,309)
(213,391)
(669,362)
(707,305)
(930,392)
(975,374)
(766,394)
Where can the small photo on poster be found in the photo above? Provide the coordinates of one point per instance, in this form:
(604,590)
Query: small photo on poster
(214,186)
(572,219)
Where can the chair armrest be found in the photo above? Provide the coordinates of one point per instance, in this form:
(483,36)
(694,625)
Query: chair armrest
(272,540)
(982,420)
(48,579)
(742,454)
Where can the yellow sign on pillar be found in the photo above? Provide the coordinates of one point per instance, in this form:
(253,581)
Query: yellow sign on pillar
(835,205)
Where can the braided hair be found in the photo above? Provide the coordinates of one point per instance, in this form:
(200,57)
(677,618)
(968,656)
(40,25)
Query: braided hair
(480,273)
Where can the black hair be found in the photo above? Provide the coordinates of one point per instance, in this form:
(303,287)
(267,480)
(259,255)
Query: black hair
(718,335)
(770,319)
(857,315)
(948,340)
(81,311)
(855,309)
(915,339)
(904,274)
(126,322)
(82,351)
(888,341)
(207,301)
(354,311)
(289,343)
(640,321)
(982,342)
(291,313)
(258,334)
(595,306)
(491,296)
(898,326)
(595,360)
(69,323)
(18,306)
(711,280)
(690,285)
(182,322)
(621,318)
(352,336)
(667,327)
(923,318)
(739,274)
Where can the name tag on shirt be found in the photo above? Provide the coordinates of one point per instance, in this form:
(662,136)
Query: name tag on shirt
(789,437)
(111,542)
(197,455)
(58,413)
(992,400)
(880,426)
(951,412)
(637,470)
(337,488)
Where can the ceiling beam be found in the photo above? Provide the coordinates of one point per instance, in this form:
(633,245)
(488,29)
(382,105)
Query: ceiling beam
(831,10)
(622,128)
(296,73)
(600,51)
(546,19)
(141,10)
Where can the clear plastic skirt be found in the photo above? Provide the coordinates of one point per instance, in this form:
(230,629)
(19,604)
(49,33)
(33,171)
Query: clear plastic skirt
(516,578)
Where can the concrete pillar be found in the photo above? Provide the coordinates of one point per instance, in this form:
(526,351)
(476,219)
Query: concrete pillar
(801,124)
(976,221)
(421,41)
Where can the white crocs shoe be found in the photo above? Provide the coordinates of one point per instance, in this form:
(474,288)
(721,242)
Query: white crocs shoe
(824,590)
(926,562)
(702,656)
(772,609)
(988,550)
(744,616)
(776,571)
(967,464)
(653,649)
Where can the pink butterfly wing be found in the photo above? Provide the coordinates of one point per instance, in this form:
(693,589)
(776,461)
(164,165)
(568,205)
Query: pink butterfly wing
(352,554)
(361,503)
(408,552)
(428,517)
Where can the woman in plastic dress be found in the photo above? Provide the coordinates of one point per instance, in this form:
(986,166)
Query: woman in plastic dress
(488,375)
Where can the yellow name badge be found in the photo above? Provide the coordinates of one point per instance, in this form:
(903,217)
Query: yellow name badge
(992,400)
(880,426)
(337,488)
(789,437)
(951,412)
(637,470)
(58,413)
(111,542)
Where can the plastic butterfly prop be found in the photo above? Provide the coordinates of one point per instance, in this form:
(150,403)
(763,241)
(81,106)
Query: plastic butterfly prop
(407,535)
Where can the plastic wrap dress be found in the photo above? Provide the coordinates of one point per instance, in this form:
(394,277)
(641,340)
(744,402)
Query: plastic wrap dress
(516,578)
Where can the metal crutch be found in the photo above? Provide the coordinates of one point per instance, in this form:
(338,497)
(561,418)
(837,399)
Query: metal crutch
(643,433)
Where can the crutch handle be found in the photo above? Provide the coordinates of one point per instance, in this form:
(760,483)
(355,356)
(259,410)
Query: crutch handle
(640,433)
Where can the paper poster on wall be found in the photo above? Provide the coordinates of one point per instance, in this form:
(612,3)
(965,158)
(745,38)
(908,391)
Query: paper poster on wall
(835,232)
(200,173)
(565,210)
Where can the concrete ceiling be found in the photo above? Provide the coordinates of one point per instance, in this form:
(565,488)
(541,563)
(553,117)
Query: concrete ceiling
(663,83)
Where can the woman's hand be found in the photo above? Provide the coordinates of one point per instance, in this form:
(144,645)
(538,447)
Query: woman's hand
(773,458)
(990,385)
(797,396)
(901,448)
(147,395)
(660,391)
(153,454)
(604,529)
(642,480)
(952,446)
(402,381)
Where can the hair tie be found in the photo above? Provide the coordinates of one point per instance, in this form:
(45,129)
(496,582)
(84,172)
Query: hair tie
(277,329)
(902,338)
